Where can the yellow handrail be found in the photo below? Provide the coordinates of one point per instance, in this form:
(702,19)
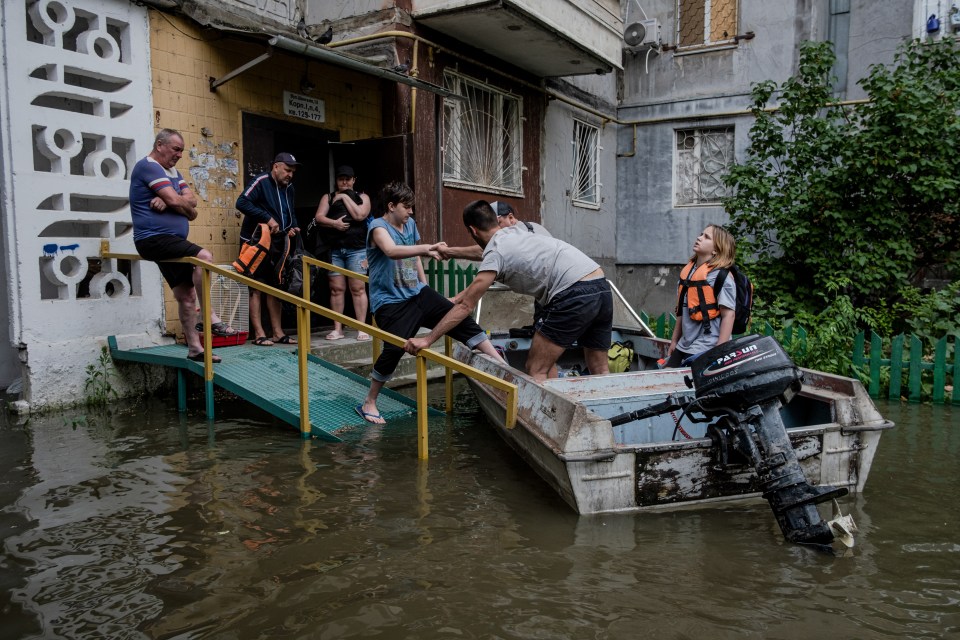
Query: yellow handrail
(304,308)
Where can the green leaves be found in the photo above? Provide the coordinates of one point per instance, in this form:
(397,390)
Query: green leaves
(840,210)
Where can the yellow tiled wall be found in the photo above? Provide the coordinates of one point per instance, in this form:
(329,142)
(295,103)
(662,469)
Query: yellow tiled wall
(183,59)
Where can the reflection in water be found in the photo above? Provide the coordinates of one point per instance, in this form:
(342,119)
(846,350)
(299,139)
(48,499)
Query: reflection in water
(158,526)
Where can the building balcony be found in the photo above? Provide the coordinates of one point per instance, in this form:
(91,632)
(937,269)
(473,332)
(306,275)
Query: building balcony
(544,37)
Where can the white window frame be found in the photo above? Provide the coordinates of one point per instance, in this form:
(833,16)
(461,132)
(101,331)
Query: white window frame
(696,151)
(585,178)
(504,154)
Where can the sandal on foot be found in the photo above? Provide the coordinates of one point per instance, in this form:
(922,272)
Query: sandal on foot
(221,329)
(284,339)
(362,337)
(198,357)
(263,341)
(335,335)
(372,418)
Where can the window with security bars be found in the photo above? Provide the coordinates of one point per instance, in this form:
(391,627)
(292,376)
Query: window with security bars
(703,158)
(482,136)
(703,23)
(586,164)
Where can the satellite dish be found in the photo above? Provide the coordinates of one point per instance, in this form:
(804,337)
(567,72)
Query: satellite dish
(634,34)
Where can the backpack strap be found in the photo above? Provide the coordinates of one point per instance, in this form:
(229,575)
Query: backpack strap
(704,311)
(529,226)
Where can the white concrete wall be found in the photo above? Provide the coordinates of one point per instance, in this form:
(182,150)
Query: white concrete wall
(592,230)
(75,117)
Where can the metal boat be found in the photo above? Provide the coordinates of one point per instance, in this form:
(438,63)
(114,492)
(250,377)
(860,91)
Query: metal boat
(630,441)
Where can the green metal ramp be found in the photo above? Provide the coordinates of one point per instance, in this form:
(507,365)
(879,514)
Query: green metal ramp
(267,377)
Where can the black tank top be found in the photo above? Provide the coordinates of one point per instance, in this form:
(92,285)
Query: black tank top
(353,238)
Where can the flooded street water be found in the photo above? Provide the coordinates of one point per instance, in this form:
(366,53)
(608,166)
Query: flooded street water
(151,525)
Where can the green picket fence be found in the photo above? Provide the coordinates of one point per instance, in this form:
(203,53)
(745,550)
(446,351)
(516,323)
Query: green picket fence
(925,372)
(448,277)
(891,366)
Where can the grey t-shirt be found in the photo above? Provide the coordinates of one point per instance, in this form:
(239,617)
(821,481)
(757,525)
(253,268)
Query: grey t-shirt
(534,264)
(694,340)
(534,228)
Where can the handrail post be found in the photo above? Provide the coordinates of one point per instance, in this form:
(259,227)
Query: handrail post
(448,373)
(307,277)
(207,341)
(422,409)
(303,379)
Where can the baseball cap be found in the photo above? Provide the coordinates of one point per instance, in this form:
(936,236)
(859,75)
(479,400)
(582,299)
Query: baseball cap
(286,158)
(345,170)
(501,208)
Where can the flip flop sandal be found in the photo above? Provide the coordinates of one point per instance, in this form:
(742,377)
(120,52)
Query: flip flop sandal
(221,329)
(198,357)
(263,341)
(284,339)
(335,335)
(368,416)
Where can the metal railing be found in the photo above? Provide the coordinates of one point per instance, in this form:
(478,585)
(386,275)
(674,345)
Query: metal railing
(304,308)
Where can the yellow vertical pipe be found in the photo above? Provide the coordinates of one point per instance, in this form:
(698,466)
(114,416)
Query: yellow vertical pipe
(448,376)
(207,329)
(422,408)
(306,280)
(414,72)
(207,340)
(303,348)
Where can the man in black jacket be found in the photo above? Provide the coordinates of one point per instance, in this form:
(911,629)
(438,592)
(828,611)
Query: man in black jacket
(269,200)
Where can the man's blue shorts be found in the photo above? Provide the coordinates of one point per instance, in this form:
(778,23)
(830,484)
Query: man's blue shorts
(581,313)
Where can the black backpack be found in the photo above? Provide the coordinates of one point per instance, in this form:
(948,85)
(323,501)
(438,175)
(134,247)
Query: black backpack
(744,306)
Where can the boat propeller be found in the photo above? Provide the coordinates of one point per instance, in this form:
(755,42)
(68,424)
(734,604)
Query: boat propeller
(741,385)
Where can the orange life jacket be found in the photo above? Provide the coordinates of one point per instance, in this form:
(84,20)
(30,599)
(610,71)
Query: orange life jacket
(252,253)
(701,298)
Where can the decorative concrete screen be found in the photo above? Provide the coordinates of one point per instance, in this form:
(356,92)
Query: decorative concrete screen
(75,120)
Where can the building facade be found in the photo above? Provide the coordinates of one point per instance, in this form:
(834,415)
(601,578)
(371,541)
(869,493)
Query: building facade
(451,97)
(684,110)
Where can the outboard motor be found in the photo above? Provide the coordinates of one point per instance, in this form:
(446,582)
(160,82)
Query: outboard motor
(746,381)
(743,383)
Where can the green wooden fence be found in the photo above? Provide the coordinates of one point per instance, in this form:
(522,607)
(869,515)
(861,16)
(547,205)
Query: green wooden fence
(887,367)
(448,277)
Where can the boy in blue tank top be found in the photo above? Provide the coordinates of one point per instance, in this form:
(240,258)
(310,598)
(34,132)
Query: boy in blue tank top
(400,299)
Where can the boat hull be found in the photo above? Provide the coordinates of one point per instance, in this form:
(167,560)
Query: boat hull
(563,431)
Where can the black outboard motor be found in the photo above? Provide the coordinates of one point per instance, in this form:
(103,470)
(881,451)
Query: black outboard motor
(746,381)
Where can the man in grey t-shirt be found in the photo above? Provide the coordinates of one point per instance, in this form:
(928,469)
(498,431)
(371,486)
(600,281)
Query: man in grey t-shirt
(576,303)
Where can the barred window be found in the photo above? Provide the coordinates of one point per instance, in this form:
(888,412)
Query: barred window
(706,22)
(586,164)
(482,136)
(704,157)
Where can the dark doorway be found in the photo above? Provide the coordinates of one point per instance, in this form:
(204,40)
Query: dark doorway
(376,162)
(264,138)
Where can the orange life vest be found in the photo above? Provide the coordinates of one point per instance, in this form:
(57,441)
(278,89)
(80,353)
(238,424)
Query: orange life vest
(252,253)
(701,299)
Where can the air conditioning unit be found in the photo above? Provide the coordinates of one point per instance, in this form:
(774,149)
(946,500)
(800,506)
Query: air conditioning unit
(643,33)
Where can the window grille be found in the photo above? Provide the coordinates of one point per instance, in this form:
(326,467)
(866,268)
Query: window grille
(703,23)
(586,163)
(704,157)
(482,136)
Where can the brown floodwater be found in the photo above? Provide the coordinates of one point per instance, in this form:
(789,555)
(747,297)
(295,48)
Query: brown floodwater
(149,524)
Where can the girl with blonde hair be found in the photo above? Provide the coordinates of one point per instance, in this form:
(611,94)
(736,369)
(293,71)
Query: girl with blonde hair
(704,316)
